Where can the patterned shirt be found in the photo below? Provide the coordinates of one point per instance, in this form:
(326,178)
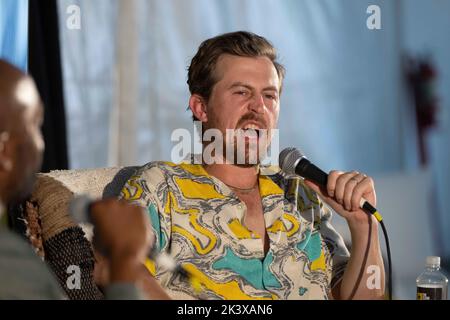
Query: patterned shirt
(199,221)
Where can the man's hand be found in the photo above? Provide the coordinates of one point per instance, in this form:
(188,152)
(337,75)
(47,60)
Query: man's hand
(343,193)
(122,233)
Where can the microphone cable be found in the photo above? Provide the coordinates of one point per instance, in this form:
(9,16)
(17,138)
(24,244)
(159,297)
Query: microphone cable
(372,211)
(388,252)
(379,218)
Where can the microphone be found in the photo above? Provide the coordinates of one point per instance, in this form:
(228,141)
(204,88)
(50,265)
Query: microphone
(80,210)
(293,162)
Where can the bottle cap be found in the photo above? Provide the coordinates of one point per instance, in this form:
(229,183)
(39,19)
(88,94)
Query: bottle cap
(433,261)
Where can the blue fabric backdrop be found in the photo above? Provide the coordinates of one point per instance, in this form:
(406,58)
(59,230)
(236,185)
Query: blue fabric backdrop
(14,32)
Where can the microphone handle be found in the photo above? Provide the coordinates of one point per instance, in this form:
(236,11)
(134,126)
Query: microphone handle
(309,171)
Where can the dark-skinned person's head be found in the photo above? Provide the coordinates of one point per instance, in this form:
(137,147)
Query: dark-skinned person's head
(235,83)
(21,143)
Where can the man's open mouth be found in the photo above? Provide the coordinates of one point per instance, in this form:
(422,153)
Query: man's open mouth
(251,130)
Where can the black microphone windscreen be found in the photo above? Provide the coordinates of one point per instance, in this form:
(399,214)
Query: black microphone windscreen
(79,208)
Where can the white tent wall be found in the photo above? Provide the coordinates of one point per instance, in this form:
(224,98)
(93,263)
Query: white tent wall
(341,89)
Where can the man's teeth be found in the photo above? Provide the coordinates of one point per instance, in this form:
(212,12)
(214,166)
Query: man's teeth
(251,126)
(256,129)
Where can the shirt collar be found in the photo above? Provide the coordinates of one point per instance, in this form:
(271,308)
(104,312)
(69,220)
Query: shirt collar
(269,170)
(264,170)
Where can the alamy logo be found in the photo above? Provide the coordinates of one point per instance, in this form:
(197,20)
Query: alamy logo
(374,280)
(74,280)
(373,22)
(73,21)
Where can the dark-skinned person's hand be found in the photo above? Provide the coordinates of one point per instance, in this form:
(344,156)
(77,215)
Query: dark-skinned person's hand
(122,234)
(122,241)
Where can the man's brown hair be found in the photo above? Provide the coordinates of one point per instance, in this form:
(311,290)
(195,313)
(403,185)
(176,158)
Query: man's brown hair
(201,72)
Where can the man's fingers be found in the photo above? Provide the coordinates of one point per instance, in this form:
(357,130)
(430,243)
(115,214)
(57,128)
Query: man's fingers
(345,190)
(331,185)
(341,182)
(350,187)
(348,191)
(364,186)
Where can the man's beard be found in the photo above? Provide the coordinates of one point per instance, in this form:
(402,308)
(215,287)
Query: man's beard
(245,153)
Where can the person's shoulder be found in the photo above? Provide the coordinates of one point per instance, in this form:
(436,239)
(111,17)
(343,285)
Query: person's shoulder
(157,174)
(161,165)
(22,273)
(12,244)
(154,170)
(167,169)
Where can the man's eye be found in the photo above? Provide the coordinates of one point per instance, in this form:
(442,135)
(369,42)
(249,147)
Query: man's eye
(242,93)
(270,96)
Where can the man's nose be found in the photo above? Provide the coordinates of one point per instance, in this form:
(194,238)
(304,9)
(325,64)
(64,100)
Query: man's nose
(258,105)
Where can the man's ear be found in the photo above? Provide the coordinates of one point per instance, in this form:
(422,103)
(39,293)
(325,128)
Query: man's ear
(198,107)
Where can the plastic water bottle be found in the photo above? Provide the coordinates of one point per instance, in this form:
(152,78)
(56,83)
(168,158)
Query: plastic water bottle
(432,284)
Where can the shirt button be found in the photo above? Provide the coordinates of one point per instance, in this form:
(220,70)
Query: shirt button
(240,207)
